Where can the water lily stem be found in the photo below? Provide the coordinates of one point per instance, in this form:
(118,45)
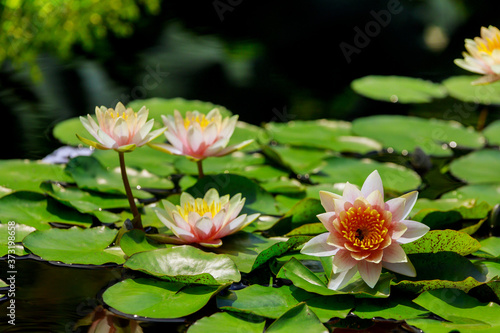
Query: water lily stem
(482,119)
(200,169)
(136,222)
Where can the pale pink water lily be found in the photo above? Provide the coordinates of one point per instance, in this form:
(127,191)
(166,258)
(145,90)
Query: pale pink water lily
(198,136)
(484,55)
(120,129)
(365,233)
(204,220)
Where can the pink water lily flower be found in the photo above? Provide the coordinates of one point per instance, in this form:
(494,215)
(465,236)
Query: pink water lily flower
(204,220)
(483,56)
(365,233)
(198,136)
(120,129)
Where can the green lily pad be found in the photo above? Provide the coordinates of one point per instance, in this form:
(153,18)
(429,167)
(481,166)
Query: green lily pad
(135,240)
(36,210)
(324,134)
(467,208)
(75,245)
(403,133)
(249,251)
(460,87)
(308,229)
(479,167)
(394,307)
(17,232)
(262,173)
(243,132)
(489,193)
(305,279)
(185,264)
(299,160)
(236,161)
(312,191)
(462,312)
(284,186)
(299,318)
(257,199)
(89,174)
(302,213)
(26,175)
(489,246)
(228,322)
(340,170)
(158,299)
(398,89)
(492,133)
(443,240)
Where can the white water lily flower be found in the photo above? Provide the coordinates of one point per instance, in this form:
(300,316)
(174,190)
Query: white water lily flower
(198,136)
(484,55)
(204,221)
(120,129)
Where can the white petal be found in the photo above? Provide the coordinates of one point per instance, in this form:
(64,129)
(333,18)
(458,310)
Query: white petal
(204,227)
(318,247)
(369,272)
(351,193)
(327,200)
(120,131)
(414,232)
(195,139)
(343,261)
(373,183)
(339,280)
(411,199)
(232,148)
(397,208)
(327,220)
(405,268)
(394,253)
(211,196)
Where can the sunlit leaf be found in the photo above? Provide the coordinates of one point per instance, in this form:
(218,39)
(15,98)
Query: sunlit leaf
(443,240)
(228,322)
(460,87)
(299,318)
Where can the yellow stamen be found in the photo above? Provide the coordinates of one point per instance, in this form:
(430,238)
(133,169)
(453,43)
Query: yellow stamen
(488,45)
(200,119)
(363,227)
(201,207)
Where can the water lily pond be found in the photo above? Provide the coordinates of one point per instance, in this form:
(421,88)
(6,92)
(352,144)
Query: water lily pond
(385,223)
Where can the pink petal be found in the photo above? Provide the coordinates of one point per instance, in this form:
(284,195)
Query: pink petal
(376,199)
(211,243)
(318,247)
(327,199)
(204,227)
(339,280)
(373,183)
(415,231)
(327,220)
(351,193)
(411,199)
(195,139)
(405,268)
(394,253)
(398,230)
(369,272)
(375,256)
(336,239)
(397,208)
(343,261)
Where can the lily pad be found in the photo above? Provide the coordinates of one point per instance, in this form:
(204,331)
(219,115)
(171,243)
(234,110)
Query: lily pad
(479,167)
(394,307)
(185,264)
(299,318)
(66,130)
(324,134)
(26,175)
(489,246)
(460,87)
(36,210)
(257,199)
(492,133)
(228,322)
(302,213)
(340,169)
(158,299)
(467,208)
(398,89)
(403,133)
(17,232)
(135,240)
(489,193)
(75,245)
(236,161)
(299,160)
(243,132)
(443,240)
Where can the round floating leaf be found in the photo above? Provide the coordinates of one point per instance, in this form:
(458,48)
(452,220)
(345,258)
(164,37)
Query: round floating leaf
(227,322)
(403,133)
(135,240)
(185,264)
(443,240)
(236,161)
(479,167)
(284,186)
(17,232)
(489,193)
(299,160)
(394,307)
(492,133)
(467,208)
(26,175)
(66,131)
(298,319)
(243,132)
(257,199)
(340,170)
(398,89)
(262,173)
(490,246)
(36,210)
(325,134)
(303,212)
(158,299)
(460,87)
(75,245)
(249,251)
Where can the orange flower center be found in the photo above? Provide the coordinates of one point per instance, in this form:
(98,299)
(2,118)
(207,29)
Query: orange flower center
(201,207)
(363,227)
(200,119)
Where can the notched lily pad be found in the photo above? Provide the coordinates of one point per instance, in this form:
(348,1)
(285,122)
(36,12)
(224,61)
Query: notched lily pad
(443,240)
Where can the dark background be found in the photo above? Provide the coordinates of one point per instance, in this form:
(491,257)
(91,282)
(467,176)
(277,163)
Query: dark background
(266,61)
